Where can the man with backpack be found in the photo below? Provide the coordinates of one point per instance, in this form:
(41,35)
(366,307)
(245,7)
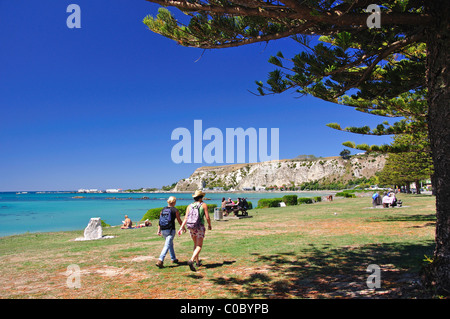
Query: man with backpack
(194,220)
(166,228)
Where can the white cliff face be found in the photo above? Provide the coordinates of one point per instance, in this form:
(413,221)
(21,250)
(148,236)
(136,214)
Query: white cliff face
(282,172)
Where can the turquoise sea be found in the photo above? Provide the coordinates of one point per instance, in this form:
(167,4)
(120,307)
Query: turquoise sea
(60,211)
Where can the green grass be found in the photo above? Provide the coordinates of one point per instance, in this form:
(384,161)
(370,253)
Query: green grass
(319,250)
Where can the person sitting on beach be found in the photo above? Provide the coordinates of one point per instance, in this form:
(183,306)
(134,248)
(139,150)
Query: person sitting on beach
(127,223)
(393,200)
(147,223)
(375,199)
(243,203)
(386,200)
(224,203)
(224,206)
(229,206)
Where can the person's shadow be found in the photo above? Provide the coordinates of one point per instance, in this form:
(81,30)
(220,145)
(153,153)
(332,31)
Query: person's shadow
(215,265)
(205,265)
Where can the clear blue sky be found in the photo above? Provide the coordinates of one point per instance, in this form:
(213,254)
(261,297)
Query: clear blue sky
(95,107)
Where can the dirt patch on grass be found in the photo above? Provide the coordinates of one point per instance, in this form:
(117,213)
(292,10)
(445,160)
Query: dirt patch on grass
(143,258)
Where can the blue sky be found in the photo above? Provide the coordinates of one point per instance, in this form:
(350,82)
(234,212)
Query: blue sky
(95,107)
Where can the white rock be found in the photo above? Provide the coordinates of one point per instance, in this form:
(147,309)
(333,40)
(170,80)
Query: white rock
(93,230)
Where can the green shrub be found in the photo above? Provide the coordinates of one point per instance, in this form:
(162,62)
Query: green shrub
(290,200)
(269,202)
(275,202)
(305,200)
(346,194)
(105,224)
(153,213)
(211,207)
(263,202)
(318,198)
(182,209)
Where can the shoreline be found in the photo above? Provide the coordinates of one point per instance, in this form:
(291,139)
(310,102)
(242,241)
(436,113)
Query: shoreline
(235,192)
(179,192)
(184,196)
(81,229)
(12,226)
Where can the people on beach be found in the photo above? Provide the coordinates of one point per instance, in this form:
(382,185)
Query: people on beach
(194,220)
(224,206)
(146,223)
(242,203)
(166,229)
(393,199)
(224,203)
(389,200)
(127,223)
(386,200)
(375,199)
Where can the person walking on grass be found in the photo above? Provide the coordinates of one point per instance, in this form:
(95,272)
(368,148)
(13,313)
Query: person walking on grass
(166,228)
(194,220)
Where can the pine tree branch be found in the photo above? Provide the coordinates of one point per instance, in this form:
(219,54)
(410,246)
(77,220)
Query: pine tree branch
(295,11)
(382,55)
(242,41)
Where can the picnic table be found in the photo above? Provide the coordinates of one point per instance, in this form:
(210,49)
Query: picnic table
(235,208)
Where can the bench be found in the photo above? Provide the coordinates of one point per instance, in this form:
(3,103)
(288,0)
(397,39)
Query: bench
(241,207)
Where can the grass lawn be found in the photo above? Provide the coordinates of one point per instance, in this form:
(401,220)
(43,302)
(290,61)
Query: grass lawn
(317,250)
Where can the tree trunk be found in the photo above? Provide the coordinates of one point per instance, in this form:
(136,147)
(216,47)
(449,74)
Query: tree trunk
(417,182)
(437,274)
(433,182)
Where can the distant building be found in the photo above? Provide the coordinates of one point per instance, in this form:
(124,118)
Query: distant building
(92,190)
(113,190)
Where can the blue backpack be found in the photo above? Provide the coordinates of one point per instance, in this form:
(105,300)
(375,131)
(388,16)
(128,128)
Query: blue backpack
(165,218)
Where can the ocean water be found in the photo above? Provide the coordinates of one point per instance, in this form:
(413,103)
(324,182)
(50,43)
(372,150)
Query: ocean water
(61,211)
